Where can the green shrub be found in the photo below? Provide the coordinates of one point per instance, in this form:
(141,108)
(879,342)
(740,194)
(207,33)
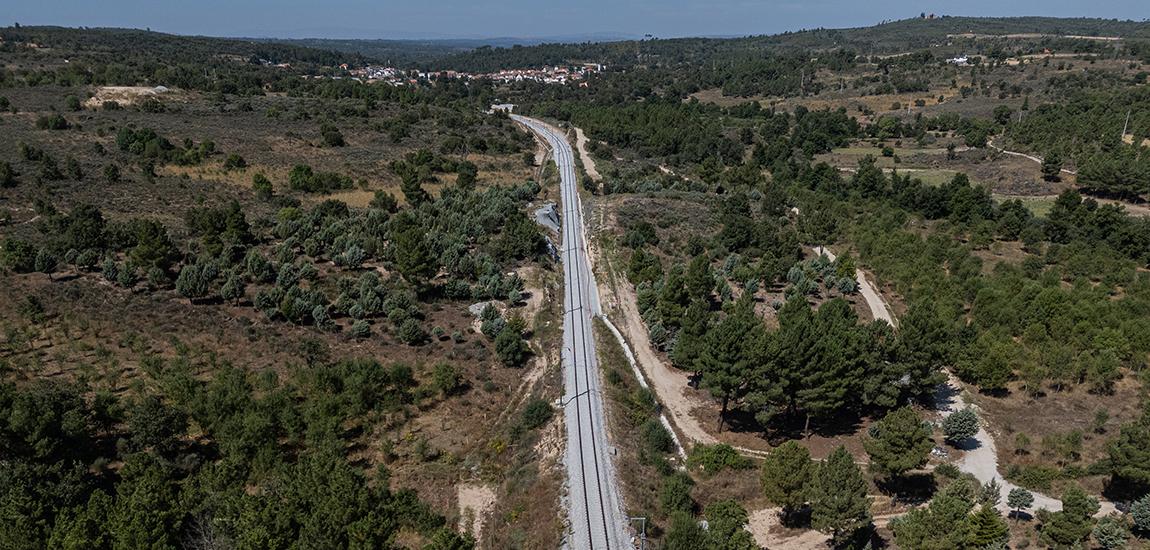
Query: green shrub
(536,413)
(1033,477)
(54,121)
(17,255)
(448,378)
(656,438)
(411,333)
(234,162)
(675,494)
(960,425)
(1140,513)
(714,458)
(1111,532)
(511,348)
(360,329)
(948,470)
(7,175)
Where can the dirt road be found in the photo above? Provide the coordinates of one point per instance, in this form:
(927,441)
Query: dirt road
(588,162)
(671,385)
(874,301)
(1025,156)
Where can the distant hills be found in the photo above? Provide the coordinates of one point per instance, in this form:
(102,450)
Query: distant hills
(960,34)
(946,34)
(408,51)
(889,37)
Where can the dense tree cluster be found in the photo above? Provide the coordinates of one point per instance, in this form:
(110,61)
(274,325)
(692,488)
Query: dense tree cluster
(685,132)
(266,471)
(955,518)
(84,239)
(146,143)
(1087,127)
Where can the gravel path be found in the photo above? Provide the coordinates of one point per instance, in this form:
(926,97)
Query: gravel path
(980,454)
(588,162)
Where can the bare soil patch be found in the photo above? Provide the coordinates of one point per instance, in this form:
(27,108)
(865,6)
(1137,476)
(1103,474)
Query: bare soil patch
(769,532)
(475,503)
(588,162)
(131,95)
(1054,415)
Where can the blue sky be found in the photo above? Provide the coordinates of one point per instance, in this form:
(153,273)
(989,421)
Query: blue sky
(520,18)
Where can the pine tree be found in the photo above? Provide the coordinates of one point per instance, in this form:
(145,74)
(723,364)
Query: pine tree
(1052,166)
(700,280)
(986,528)
(792,347)
(1111,532)
(412,256)
(785,474)
(1140,513)
(1073,524)
(673,298)
(901,442)
(685,533)
(1019,499)
(839,505)
(942,524)
(232,289)
(725,526)
(960,425)
(730,351)
(831,380)
(1130,456)
(689,343)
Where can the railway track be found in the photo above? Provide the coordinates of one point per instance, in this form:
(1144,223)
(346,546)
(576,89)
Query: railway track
(594,506)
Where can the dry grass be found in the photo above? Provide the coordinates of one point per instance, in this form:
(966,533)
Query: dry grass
(1057,414)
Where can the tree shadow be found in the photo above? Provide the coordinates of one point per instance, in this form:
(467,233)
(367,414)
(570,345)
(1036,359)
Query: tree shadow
(968,444)
(788,427)
(912,488)
(1121,490)
(741,422)
(944,397)
(1019,515)
(796,519)
(998,393)
(65,277)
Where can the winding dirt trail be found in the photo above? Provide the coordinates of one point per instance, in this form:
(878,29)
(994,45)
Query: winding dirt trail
(588,162)
(1025,156)
(874,301)
(980,458)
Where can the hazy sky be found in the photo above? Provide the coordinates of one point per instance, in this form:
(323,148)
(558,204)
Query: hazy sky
(521,18)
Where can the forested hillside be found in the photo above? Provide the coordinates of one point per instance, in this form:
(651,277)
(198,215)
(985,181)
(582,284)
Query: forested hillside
(235,303)
(996,208)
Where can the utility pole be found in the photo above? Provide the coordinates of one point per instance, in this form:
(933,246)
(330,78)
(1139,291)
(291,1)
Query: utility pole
(1125,125)
(642,531)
